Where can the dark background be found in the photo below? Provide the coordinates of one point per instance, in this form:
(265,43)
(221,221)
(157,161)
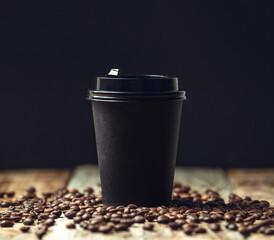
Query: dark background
(50,53)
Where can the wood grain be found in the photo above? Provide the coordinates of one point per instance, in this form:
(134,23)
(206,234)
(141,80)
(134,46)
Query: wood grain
(44,180)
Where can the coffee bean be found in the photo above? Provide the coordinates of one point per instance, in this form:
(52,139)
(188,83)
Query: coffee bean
(10,194)
(40,233)
(127,221)
(89,190)
(104,229)
(175,225)
(31,190)
(243,230)
(6,223)
(121,227)
(250,219)
(163,219)
(228,217)
(49,222)
(70,214)
(200,230)
(214,227)
(15,218)
(24,229)
(28,221)
(148,226)
(70,225)
(86,216)
(139,219)
(5,204)
(232,226)
(83,225)
(269,231)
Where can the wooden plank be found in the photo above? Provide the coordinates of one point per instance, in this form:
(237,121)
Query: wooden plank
(44,180)
(256,183)
(198,179)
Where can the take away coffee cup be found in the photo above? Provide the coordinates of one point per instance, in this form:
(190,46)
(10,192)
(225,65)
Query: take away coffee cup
(137,122)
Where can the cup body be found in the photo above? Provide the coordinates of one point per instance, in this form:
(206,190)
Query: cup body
(137,147)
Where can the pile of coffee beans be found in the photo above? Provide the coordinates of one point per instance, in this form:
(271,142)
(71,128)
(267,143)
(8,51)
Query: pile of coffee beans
(189,212)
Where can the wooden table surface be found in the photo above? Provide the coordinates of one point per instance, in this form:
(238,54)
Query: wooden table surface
(256,183)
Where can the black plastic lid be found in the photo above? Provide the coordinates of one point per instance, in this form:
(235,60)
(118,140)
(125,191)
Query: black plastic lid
(123,87)
(137,83)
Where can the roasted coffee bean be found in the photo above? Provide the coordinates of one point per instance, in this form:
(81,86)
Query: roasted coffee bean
(89,190)
(31,190)
(128,221)
(232,226)
(269,231)
(77,219)
(200,230)
(15,218)
(250,219)
(10,194)
(49,222)
(214,227)
(6,204)
(228,217)
(40,233)
(121,227)
(187,229)
(6,223)
(86,216)
(243,230)
(148,226)
(163,219)
(150,217)
(70,225)
(28,221)
(70,214)
(104,229)
(24,229)
(83,225)
(175,225)
(93,227)
(139,219)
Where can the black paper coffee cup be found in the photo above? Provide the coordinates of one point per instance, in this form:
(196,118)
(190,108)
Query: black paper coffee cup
(137,123)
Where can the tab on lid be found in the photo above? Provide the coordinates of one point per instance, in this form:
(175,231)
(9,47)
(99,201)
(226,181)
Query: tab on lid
(113,72)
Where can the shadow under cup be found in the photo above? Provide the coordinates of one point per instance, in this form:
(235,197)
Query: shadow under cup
(137,123)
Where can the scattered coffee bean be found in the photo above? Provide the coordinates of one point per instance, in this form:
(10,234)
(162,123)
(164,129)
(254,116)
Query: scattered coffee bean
(175,225)
(121,227)
(24,229)
(214,227)
(139,219)
(31,190)
(6,223)
(70,225)
(10,194)
(40,233)
(200,230)
(104,229)
(28,221)
(148,226)
(269,231)
(70,214)
(163,219)
(187,210)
